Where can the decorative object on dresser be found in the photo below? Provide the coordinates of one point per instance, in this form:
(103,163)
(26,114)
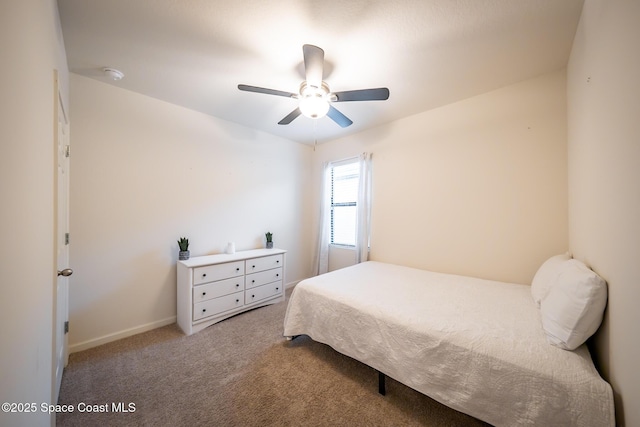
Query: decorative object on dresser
(269,237)
(215,287)
(183,243)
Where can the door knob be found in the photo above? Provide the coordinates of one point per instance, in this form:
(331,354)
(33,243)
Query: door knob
(66,272)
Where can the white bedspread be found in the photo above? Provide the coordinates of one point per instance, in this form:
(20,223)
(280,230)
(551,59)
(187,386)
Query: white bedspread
(474,345)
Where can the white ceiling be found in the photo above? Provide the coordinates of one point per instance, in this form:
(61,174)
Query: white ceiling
(429,53)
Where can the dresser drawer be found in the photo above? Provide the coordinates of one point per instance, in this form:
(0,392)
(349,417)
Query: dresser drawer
(217,289)
(210,273)
(264,263)
(217,305)
(262,278)
(262,292)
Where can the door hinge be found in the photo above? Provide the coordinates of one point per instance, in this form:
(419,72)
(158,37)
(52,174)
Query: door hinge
(66,327)
(67,150)
(66,238)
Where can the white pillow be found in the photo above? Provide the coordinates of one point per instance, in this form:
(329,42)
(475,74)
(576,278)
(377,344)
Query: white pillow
(546,275)
(572,310)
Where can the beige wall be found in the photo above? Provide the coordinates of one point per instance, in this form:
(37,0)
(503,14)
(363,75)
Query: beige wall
(31,46)
(143,174)
(478,187)
(604,182)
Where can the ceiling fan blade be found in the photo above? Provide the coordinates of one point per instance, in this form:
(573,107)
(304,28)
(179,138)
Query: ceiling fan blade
(313,64)
(378,94)
(290,117)
(256,89)
(338,117)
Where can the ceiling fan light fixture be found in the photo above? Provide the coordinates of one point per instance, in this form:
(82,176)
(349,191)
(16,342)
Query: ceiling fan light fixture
(314,106)
(314,101)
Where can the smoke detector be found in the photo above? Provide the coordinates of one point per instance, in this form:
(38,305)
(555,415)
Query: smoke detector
(113,74)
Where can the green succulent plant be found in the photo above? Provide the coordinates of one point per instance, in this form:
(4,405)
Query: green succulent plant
(183,243)
(269,236)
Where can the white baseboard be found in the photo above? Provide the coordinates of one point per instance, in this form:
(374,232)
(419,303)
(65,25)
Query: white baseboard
(292,284)
(85,345)
(74,348)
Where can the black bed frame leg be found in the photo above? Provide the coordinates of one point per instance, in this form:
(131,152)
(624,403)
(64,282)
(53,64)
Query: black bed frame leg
(381,386)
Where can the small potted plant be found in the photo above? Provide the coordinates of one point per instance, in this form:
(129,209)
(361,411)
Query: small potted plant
(183,243)
(269,237)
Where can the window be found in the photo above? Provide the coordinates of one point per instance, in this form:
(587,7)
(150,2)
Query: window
(345,210)
(344,201)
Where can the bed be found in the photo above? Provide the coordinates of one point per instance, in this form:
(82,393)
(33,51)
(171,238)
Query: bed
(474,345)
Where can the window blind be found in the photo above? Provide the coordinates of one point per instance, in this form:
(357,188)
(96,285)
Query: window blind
(344,196)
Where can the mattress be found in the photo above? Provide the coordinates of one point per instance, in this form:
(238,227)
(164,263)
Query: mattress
(474,345)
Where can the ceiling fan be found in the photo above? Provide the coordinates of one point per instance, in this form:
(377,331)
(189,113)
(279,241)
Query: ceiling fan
(314,96)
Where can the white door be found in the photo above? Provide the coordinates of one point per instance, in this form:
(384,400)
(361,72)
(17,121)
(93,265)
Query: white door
(61,295)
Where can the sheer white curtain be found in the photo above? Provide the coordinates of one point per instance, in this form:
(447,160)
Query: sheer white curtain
(321,263)
(363,218)
(363,215)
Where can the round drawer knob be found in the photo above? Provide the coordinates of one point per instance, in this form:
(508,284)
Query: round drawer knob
(277,289)
(277,275)
(253,266)
(237,285)
(237,300)
(204,293)
(204,274)
(253,296)
(253,281)
(204,309)
(238,269)
(277,261)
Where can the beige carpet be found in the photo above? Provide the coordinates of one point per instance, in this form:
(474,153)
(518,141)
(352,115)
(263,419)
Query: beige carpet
(239,372)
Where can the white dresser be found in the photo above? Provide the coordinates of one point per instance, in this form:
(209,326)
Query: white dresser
(215,287)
